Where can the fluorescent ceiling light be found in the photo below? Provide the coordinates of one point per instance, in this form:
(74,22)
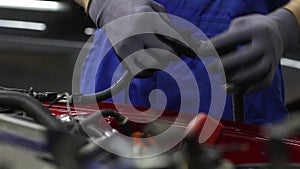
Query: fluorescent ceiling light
(36,5)
(290,63)
(22,25)
(89,31)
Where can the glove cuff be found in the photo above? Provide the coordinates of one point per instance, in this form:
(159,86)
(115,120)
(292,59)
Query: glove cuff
(288,27)
(97,10)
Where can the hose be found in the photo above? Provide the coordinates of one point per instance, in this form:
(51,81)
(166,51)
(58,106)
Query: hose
(105,94)
(20,101)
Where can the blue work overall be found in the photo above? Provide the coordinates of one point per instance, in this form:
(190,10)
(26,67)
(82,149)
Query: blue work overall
(212,17)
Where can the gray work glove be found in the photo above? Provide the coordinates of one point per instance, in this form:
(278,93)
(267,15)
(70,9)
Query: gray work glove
(152,26)
(251,48)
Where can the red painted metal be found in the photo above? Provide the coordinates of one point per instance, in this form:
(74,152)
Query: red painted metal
(242,143)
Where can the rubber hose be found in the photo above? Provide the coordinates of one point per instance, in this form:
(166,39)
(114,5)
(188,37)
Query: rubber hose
(31,106)
(105,94)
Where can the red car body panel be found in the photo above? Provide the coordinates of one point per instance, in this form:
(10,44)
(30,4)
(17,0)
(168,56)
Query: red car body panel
(242,143)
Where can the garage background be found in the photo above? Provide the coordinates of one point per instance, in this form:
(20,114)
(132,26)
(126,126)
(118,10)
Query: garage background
(39,43)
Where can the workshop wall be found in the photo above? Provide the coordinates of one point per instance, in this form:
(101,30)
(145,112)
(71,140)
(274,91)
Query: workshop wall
(38,47)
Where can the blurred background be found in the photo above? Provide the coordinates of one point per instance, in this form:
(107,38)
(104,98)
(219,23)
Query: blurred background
(40,41)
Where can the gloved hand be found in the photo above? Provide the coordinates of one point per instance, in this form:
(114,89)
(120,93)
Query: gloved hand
(251,48)
(152,25)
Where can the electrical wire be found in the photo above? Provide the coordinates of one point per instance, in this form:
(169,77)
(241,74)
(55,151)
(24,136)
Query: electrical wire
(56,100)
(14,89)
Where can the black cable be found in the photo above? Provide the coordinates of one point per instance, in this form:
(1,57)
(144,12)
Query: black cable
(56,100)
(31,106)
(105,94)
(237,101)
(238,107)
(122,121)
(114,114)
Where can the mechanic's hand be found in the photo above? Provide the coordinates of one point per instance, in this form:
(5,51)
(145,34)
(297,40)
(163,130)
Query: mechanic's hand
(251,48)
(140,32)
